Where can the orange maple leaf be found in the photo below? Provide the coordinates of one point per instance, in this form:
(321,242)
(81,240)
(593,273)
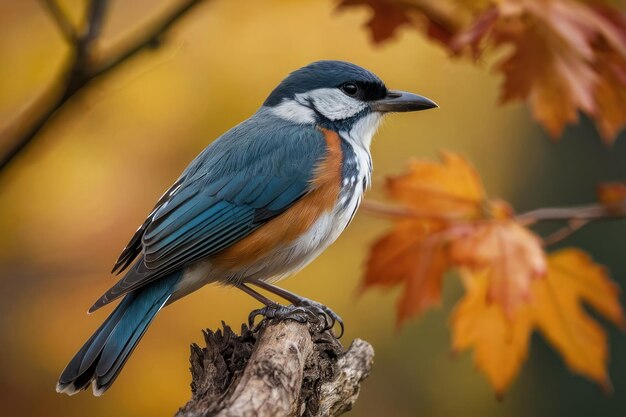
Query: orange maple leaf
(415,251)
(555,309)
(387,16)
(448,190)
(613,196)
(409,254)
(512,287)
(565,56)
(510,256)
(500,345)
(453,225)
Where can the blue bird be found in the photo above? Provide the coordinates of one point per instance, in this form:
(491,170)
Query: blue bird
(257,205)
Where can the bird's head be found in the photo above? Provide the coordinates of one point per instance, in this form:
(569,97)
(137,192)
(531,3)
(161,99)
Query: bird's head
(340,95)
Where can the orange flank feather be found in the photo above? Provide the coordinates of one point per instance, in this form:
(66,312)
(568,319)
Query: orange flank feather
(296,220)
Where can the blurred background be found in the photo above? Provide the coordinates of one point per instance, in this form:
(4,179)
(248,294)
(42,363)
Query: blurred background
(71,202)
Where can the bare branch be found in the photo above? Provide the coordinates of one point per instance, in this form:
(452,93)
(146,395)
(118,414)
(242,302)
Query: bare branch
(80,70)
(63,23)
(94,21)
(151,39)
(284,369)
(377,208)
(572,227)
(587,212)
(576,217)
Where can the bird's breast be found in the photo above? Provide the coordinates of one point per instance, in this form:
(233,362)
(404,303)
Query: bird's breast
(294,238)
(297,220)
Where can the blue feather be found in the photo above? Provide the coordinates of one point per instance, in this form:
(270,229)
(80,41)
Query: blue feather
(258,169)
(102,357)
(288,196)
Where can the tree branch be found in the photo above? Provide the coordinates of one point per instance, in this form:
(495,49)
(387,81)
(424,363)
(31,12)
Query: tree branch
(575,217)
(586,212)
(566,231)
(283,369)
(63,23)
(377,208)
(81,69)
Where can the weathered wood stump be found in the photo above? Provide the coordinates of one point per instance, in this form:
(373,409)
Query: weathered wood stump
(282,368)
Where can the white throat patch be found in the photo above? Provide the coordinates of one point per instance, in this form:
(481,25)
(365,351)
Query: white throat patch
(364,129)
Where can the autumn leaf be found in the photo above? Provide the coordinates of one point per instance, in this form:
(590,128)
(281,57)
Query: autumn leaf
(414,253)
(411,255)
(500,345)
(567,56)
(450,189)
(549,70)
(446,222)
(387,16)
(573,279)
(613,196)
(509,255)
(453,225)
(562,57)
(556,310)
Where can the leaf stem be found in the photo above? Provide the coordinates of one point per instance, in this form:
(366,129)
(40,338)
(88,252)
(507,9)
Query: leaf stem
(576,217)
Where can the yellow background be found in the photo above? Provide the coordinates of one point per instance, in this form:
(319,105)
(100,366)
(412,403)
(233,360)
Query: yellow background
(72,201)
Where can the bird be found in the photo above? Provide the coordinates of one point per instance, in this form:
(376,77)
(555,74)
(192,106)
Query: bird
(255,206)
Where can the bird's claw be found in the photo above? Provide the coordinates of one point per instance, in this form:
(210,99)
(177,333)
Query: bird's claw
(304,311)
(330,317)
(300,314)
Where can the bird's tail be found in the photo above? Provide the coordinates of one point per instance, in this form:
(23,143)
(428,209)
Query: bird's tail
(103,356)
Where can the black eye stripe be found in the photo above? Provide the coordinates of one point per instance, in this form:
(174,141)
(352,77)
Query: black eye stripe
(365,91)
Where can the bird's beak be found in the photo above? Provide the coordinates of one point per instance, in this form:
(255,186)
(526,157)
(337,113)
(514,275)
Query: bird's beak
(401,101)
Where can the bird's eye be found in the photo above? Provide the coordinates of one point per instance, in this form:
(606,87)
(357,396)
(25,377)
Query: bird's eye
(349,88)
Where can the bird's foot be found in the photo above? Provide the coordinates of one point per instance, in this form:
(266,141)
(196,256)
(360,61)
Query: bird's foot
(301,314)
(330,317)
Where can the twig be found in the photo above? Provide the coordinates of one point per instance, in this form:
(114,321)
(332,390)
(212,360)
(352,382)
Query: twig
(587,212)
(572,227)
(94,22)
(576,217)
(378,208)
(151,39)
(80,70)
(63,23)
(284,369)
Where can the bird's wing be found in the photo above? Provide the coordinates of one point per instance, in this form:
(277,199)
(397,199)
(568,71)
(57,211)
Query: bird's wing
(236,185)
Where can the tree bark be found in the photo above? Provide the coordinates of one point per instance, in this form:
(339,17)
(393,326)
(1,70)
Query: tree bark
(283,368)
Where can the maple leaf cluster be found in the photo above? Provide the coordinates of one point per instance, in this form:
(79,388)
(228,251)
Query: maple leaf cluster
(513,287)
(563,56)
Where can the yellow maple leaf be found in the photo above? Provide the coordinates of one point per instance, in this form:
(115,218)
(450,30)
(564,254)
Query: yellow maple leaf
(450,189)
(500,343)
(510,256)
(573,279)
(453,225)
(512,287)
